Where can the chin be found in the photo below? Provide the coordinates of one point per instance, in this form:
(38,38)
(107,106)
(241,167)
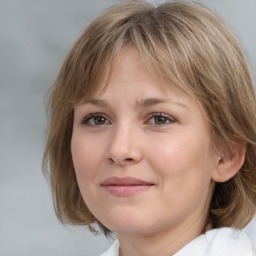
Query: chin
(125,221)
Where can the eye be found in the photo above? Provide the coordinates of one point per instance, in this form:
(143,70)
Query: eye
(95,119)
(160,119)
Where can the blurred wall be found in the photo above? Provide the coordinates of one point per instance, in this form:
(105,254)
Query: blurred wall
(35,36)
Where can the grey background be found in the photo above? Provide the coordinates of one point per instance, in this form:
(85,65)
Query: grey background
(35,36)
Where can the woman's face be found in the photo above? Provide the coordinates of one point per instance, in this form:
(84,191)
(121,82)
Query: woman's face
(142,153)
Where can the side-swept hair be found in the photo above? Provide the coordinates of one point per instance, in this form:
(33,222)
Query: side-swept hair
(184,43)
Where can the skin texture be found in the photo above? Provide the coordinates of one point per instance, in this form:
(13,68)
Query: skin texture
(173,153)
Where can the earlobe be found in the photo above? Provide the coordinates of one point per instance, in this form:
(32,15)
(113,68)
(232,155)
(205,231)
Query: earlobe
(230,163)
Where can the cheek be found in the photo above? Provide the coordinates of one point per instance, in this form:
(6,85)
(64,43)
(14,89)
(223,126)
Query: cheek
(184,169)
(86,156)
(167,154)
(183,158)
(86,159)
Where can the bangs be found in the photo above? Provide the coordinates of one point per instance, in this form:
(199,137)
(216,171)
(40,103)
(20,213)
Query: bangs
(92,58)
(170,46)
(182,44)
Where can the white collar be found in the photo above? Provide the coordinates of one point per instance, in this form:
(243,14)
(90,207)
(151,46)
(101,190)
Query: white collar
(216,242)
(219,242)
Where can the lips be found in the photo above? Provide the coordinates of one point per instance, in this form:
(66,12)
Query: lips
(126,186)
(126,181)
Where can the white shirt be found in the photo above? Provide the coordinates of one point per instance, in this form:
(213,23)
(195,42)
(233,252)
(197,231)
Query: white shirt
(216,242)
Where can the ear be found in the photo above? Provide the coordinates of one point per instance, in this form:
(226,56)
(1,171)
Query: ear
(230,163)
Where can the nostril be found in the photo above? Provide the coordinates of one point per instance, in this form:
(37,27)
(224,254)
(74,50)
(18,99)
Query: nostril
(121,162)
(111,160)
(122,157)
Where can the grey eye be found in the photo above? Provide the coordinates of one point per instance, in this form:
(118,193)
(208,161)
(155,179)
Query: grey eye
(95,120)
(99,120)
(160,119)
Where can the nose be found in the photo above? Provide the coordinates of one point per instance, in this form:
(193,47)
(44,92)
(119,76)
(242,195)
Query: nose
(124,147)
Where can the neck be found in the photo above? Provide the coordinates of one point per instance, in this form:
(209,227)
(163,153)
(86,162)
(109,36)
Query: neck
(164,243)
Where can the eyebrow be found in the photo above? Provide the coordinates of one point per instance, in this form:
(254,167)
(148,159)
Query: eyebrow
(98,102)
(144,103)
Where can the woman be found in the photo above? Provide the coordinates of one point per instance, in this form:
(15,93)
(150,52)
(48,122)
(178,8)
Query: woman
(152,132)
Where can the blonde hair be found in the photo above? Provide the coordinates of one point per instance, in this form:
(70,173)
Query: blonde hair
(181,42)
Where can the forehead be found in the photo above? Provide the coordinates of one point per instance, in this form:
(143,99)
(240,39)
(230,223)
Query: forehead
(128,67)
(130,79)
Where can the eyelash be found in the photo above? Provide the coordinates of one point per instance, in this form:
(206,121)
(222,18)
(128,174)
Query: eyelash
(169,119)
(88,118)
